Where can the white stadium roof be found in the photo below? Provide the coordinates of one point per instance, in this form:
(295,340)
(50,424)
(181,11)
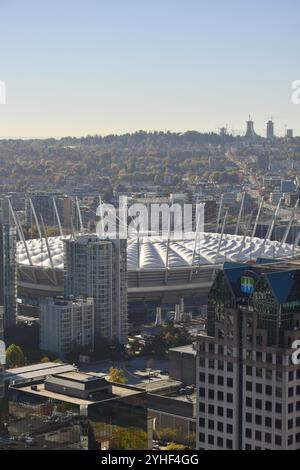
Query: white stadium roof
(153,251)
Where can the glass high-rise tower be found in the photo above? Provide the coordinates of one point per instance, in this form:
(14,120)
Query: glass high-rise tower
(97,268)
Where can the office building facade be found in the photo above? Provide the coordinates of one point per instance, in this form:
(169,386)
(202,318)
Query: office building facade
(2,355)
(97,268)
(8,274)
(248,388)
(66,325)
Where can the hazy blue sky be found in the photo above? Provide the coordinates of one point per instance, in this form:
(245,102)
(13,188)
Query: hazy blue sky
(76,67)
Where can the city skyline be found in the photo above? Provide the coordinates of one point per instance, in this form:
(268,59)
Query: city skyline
(78,69)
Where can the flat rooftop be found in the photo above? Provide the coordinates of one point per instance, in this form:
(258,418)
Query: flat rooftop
(78,376)
(117,392)
(188,349)
(37,371)
(160,385)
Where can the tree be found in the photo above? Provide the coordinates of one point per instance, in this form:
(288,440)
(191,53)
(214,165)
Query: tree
(128,439)
(173,446)
(117,375)
(44,359)
(15,356)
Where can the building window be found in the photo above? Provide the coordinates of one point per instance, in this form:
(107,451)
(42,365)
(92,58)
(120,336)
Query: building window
(258,435)
(229,382)
(268,422)
(202,407)
(278,408)
(229,398)
(229,428)
(229,444)
(268,390)
(278,423)
(269,359)
(258,419)
(258,404)
(249,386)
(268,438)
(201,422)
(248,401)
(220,427)
(278,440)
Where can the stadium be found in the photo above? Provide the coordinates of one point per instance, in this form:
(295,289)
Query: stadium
(159,270)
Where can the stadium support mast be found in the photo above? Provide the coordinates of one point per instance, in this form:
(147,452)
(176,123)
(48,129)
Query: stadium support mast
(289,226)
(168,247)
(57,217)
(271,227)
(158,320)
(246,232)
(35,218)
(221,236)
(219,213)
(79,215)
(177,317)
(47,243)
(199,221)
(272,224)
(20,231)
(240,214)
(138,249)
(296,242)
(257,219)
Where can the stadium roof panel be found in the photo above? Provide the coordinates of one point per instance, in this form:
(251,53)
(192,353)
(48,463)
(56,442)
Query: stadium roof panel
(153,251)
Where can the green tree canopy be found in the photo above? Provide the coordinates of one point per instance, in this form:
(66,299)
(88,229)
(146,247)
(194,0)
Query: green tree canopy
(117,375)
(15,356)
